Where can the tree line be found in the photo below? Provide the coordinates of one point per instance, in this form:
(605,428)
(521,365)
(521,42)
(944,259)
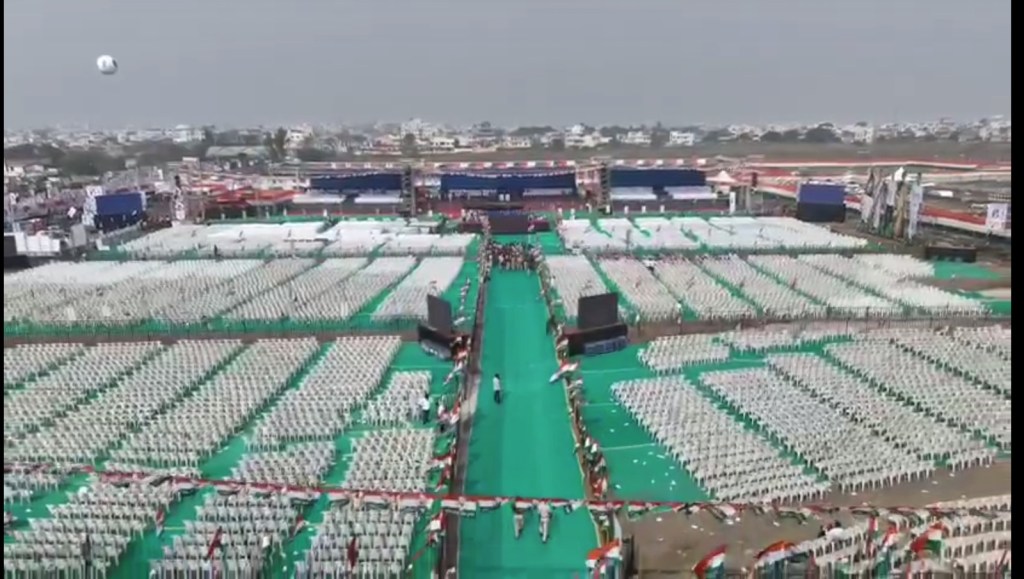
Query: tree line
(111,156)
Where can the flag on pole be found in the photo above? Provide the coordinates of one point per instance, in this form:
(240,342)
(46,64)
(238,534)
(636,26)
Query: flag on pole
(1003,559)
(930,540)
(712,563)
(455,372)
(443,461)
(889,539)
(872,530)
(215,543)
(161,516)
(436,528)
(455,413)
(564,370)
(300,523)
(352,552)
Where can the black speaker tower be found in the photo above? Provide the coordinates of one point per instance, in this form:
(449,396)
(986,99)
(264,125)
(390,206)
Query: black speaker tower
(409,191)
(604,189)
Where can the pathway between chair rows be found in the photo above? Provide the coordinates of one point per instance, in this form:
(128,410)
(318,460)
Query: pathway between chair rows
(522,447)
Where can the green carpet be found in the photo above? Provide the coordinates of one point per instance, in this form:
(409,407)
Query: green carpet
(957,270)
(640,469)
(523,447)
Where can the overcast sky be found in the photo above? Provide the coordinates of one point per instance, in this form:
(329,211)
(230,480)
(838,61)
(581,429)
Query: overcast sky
(237,62)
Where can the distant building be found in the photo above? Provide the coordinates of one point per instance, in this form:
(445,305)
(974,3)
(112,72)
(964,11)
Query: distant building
(681,139)
(515,142)
(443,143)
(237,152)
(582,141)
(637,138)
(184,134)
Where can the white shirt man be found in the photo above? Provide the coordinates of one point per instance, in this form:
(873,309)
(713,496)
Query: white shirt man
(425,409)
(497,389)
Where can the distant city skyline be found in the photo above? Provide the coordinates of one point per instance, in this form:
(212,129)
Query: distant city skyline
(383,126)
(529,62)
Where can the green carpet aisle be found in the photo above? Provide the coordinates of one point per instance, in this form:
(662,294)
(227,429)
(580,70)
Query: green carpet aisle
(524,447)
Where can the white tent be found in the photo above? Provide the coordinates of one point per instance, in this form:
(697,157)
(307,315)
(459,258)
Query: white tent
(723,178)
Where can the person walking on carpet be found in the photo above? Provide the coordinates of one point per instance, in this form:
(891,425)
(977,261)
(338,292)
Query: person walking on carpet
(497,388)
(544,510)
(518,520)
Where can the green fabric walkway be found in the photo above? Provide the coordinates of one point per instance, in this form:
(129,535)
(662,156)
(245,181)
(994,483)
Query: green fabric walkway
(523,447)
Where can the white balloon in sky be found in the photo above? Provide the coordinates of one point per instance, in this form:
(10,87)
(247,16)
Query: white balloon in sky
(106,64)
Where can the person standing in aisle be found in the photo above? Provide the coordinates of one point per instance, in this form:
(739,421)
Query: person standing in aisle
(497,389)
(544,510)
(425,409)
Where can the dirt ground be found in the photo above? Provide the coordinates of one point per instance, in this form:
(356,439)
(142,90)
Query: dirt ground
(995,256)
(669,544)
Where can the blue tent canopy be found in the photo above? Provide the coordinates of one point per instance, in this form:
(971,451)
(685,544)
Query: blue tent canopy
(507,181)
(358,182)
(654,178)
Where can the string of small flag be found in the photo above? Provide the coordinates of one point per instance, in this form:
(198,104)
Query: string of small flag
(878,546)
(496,176)
(471,504)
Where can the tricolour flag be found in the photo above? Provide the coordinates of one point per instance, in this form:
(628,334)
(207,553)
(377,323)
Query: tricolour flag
(301,497)
(228,488)
(455,414)
(339,497)
(436,528)
(872,531)
(490,504)
(712,563)
(777,551)
(442,461)
(610,550)
(300,523)
(414,504)
(564,370)
(377,501)
(929,540)
(892,534)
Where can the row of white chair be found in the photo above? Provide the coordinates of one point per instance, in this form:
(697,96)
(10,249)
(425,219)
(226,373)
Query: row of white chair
(727,460)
